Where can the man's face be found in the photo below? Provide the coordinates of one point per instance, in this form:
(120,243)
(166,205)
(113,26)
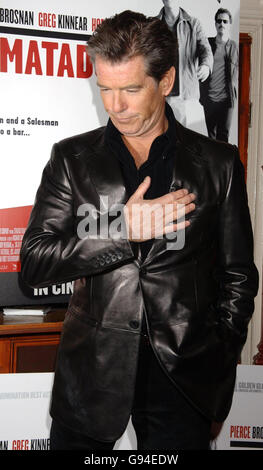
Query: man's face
(133,100)
(223,24)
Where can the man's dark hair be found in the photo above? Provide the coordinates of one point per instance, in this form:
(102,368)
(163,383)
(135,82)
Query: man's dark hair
(223,11)
(129,34)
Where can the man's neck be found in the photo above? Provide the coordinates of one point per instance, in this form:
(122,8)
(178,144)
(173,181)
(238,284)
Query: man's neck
(221,39)
(139,146)
(171,14)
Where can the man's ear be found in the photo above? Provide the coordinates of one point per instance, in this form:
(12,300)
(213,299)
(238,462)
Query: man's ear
(167,81)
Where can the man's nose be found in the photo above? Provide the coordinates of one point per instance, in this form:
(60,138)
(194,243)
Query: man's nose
(118,102)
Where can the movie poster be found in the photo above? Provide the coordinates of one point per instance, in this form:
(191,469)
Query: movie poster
(49,92)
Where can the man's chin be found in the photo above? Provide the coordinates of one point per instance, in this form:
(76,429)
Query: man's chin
(126,128)
(129,133)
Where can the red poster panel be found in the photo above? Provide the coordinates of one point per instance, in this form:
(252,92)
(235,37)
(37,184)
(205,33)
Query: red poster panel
(13,223)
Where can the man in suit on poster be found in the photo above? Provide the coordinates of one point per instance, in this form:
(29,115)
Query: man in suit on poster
(156,324)
(194,64)
(219,91)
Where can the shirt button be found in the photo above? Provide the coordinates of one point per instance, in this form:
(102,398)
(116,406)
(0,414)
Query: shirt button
(134,324)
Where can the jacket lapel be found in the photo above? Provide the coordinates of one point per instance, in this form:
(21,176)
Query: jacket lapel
(106,175)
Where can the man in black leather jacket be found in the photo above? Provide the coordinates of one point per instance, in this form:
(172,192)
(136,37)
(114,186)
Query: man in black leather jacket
(151,221)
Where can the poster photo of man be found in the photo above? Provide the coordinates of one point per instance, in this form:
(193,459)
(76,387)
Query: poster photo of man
(205,92)
(219,91)
(194,64)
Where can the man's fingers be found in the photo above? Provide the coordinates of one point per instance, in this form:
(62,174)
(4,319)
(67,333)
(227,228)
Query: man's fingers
(177,211)
(183,198)
(181,195)
(173,196)
(178,208)
(181,210)
(186,199)
(147,219)
(175,227)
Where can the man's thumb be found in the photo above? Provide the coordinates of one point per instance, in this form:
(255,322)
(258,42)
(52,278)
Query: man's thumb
(142,188)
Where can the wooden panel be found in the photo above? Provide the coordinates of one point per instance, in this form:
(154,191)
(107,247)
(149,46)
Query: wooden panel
(35,354)
(244,95)
(5,356)
(29,343)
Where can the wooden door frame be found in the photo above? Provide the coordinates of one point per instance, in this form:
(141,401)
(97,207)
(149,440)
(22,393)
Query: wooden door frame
(251,23)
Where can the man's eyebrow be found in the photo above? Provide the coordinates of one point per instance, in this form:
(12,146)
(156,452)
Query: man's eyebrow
(126,87)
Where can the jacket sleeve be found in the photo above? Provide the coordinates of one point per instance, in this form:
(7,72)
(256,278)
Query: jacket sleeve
(236,273)
(234,68)
(52,251)
(204,51)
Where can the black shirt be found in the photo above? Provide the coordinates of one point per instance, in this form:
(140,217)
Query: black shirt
(159,165)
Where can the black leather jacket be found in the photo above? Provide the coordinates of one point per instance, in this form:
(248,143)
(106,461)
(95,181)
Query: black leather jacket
(198,300)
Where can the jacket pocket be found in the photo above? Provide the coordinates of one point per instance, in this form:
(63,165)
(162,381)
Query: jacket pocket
(82,316)
(81,303)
